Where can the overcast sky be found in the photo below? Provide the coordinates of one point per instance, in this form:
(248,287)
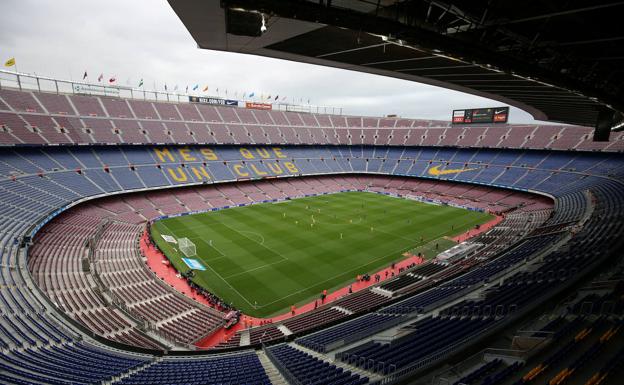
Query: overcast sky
(134,39)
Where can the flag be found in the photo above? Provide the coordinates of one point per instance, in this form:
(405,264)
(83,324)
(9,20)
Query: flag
(284,98)
(308,101)
(112,79)
(165,86)
(10,62)
(186,89)
(217,90)
(141,83)
(84,76)
(195,87)
(268,96)
(251,95)
(100,77)
(276,97)
(205,89)
(175,88)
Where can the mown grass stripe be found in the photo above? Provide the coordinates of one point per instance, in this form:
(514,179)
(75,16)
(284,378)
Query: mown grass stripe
(266,262)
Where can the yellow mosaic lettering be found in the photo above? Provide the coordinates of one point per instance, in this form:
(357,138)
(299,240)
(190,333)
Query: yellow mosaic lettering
(256,171)
(185,153)
(182,177)
(162,153)
(291,167)
(209,154)
(238,169)
(263,152)
(278,152)
(200,173)
(246,153)
(275,168)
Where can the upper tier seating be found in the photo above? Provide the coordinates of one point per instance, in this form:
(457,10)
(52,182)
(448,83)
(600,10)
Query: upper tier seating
(91,119)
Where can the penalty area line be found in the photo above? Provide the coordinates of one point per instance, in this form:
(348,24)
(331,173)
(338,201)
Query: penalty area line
(221,277)
(232,287)
(254,269)
(253,240)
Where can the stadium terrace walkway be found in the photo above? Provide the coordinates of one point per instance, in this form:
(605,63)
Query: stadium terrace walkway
(159,264)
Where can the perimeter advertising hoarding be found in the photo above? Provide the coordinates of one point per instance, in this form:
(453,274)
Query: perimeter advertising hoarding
(216,101)
(95,90)
(259,106)
(481,115)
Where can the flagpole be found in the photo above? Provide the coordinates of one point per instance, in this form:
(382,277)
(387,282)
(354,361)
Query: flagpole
(19,82)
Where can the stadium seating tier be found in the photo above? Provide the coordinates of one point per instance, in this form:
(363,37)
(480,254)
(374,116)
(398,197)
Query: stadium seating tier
(504,169)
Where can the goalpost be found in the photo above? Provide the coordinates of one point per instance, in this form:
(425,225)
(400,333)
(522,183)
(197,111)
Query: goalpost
(187,247)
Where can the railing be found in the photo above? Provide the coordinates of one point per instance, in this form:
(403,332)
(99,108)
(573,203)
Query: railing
(400,374)
(486,355)
(34,82)
(359,336)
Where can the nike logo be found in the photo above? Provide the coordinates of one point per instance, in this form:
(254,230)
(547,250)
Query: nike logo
(435,170)
(499,112)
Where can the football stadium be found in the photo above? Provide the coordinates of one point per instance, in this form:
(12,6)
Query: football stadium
(179,236)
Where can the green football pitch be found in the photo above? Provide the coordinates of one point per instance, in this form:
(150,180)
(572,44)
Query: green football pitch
(265,257)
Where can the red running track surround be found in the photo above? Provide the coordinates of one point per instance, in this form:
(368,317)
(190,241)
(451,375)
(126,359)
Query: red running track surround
(158,262)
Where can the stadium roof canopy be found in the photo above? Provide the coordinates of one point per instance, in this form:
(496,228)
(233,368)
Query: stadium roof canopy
(559,63)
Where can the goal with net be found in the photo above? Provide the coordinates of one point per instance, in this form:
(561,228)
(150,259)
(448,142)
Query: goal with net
(187,247)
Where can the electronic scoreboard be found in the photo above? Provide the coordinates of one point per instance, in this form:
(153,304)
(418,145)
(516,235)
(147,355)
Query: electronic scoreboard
(481,115)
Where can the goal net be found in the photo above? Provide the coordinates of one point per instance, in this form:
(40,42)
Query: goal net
(187,247)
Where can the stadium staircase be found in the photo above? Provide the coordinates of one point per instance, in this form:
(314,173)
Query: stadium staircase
(342,309)
(132,371)
(245,338)
(274,374)
(284,330)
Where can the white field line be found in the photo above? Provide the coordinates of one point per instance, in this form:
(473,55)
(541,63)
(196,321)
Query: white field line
(254,233)
(223,255)
(254,269)
(218,275)
(335,276)
(424,242)
(254,241)
(231,287)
